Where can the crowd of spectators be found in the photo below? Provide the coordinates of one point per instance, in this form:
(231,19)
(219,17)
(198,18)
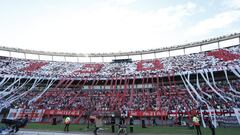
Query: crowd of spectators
(164,98)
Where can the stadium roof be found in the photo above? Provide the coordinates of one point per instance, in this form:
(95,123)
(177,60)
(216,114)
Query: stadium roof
(177,47)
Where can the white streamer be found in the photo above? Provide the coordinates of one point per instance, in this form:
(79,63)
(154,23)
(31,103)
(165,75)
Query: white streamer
(18,88)
(203,122)
(193,89)
(206,73)
(213,118)
(208,83)
(198,86)
(214,84)
(204,93)
(237,114)
(238,69)
(15,81)
(234,71)
(231,88)
(36,83)
(188,88)
(3,80)
(45,89)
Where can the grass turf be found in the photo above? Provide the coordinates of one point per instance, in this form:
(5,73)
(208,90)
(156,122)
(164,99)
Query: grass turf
(137,129)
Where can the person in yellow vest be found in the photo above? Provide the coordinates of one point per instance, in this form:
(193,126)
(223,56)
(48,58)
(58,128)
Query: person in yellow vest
(67,122)
(196,123)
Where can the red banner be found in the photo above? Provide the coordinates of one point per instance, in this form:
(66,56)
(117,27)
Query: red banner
(147,113)
(63,112)
(224,55)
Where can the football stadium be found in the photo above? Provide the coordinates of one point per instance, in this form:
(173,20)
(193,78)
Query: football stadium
(190,88)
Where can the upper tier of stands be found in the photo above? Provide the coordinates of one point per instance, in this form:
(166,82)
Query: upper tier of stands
(216,60)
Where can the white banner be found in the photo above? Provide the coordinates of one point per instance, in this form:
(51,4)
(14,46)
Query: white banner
(33,115)
(237,114)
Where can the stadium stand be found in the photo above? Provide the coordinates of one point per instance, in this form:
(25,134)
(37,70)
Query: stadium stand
(173,86)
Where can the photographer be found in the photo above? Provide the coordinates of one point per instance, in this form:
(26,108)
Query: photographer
(20,123)
(98,123)
(122,125)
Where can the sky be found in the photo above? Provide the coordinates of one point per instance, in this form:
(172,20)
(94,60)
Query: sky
(101,26)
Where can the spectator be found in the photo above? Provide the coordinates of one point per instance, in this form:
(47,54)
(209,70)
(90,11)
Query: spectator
(20,123)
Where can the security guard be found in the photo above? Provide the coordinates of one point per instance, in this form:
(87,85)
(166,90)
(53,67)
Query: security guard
(113,122)
(67,122)
(131,124)
(196,123)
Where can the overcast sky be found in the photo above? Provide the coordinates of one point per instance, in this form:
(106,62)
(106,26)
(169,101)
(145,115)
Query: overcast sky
(85,26)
